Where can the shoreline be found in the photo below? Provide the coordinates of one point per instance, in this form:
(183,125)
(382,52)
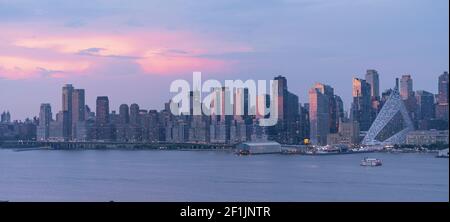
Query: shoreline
(230,150)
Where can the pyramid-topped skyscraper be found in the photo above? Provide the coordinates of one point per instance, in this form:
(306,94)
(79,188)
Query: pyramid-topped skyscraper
(392,123)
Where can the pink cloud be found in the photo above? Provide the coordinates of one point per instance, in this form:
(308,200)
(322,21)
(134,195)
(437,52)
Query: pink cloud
(155,52)
(22,67)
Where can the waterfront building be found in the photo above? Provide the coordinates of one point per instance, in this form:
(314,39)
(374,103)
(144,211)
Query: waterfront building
(78,110)
(318,116)
(85,131)
(104,129)
(264,147)
(56,127)
(427,137)
(153,126)
(333,107)
(348,134)
(198,129)
(102,110)
(436,124)
(287,129)
(45,118)
(304,121)
(67,96)
(18,130)
(218,132)
(392,124)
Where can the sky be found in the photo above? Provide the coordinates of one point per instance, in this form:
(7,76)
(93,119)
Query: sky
(132,50)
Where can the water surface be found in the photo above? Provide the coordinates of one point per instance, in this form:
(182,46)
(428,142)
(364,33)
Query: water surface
(119,175)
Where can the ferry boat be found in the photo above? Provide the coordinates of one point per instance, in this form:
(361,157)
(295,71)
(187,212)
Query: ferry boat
(443,153)
(370,162)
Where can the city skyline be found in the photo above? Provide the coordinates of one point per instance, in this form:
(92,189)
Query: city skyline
(323,120)
(102,47)
(115,106)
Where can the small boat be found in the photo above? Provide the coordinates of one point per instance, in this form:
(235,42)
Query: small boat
(243,152)
(370,162)
(443,154)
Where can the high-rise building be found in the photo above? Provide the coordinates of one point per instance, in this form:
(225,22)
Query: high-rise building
(67,106)
(442,109)
(78,104)
(408,97)
(135,128)
(56,127)
(339,109)
(425,105)
(443,88)
(124,114)
(282,91)
(333,112)
(78,110)
(104,129)
(318,116)
(102,111)
(153,132)
(45,118)
(73,104)
(304,122)
(373,79)
(5,117)
(286,131)
(406,87)
(361,106)
(134,114)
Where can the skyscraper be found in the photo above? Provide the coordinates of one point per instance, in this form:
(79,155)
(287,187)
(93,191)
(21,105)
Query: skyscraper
(45,118)
(6,117)
(134,114)
(339,108)
(104,129)
(425,105)
(78,105)
(282,91)
(67,96)
(287,129)
(406,87)
(373,79)
(333,119)
(442,97)
(318,116)
(102,111)
(407,95)
(124,114)
(443,88)
(135,129)
(304,126)
(78,110)
(361,106)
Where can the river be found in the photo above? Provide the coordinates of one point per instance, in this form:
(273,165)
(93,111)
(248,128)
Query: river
(146,175)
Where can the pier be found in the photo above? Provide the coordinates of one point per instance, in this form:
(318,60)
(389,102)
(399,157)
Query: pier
(73,145)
